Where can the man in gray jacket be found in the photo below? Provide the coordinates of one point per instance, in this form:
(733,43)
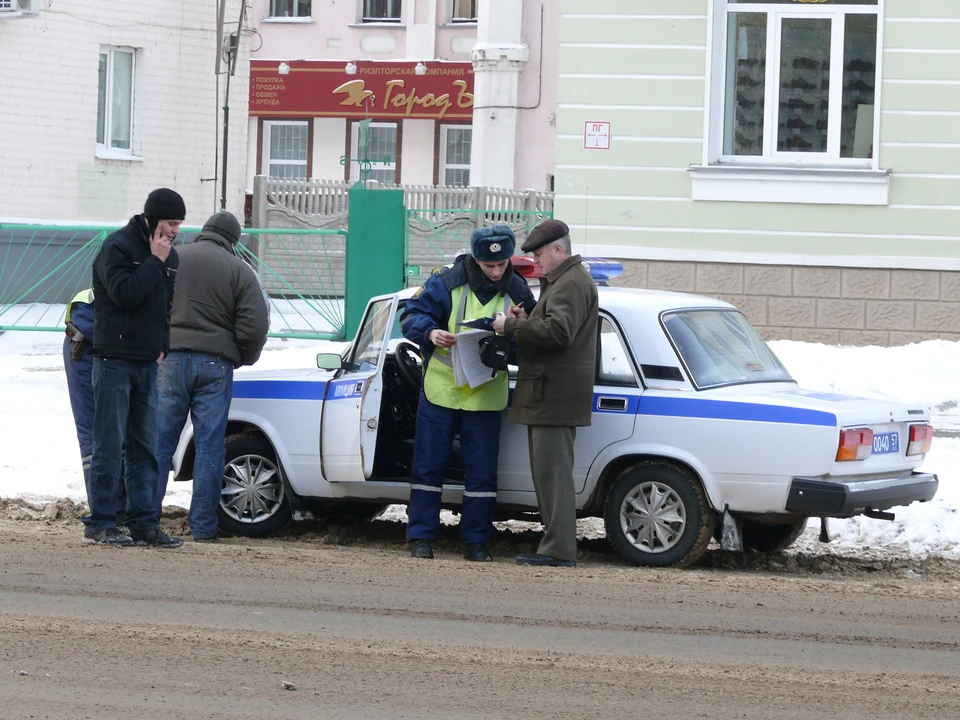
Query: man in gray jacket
(218,323)
(556,358)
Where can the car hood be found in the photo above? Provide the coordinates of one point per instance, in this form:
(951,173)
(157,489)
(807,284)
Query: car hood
(848,409)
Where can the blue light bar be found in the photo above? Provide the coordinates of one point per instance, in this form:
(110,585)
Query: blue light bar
(602,269)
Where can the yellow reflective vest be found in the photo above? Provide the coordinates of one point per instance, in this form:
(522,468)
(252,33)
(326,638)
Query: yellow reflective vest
(84,296)
(438,383)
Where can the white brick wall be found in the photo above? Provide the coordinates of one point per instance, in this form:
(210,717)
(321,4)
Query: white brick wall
(48,110)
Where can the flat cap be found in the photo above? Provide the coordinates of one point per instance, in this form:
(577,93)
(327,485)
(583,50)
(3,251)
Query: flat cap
(546,232)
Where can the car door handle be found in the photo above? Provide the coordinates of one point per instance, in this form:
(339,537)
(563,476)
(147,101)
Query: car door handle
(612,403)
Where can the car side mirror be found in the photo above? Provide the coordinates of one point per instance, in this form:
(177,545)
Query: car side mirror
(329,361)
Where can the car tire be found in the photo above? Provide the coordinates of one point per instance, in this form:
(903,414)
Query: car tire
(683,519)
(253,501)
(771,538)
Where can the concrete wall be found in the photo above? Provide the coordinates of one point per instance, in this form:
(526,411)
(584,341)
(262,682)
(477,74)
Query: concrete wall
(832,305)
(48,111)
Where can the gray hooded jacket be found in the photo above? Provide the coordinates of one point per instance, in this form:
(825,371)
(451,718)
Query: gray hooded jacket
(218,307)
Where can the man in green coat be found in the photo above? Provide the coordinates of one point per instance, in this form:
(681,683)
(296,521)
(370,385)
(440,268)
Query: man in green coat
(556,355)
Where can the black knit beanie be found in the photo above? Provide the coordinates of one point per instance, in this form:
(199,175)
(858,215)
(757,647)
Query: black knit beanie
(165,204)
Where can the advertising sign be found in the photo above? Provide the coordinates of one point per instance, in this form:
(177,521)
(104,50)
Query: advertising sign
(323,88)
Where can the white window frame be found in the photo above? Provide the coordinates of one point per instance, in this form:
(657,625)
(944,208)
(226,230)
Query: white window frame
(289,18)
(365,19)
(787,176)
(268,126)
(463,21)
(105,149)
(444,165)
(355,148)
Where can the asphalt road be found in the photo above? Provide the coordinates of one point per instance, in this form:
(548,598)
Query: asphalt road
(298,628)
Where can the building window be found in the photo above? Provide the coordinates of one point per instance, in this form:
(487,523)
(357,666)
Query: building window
(799,82)
(381,11)
(464,11)
(285,147)
(115,99)
(455,143)
(290,8)
(381,152)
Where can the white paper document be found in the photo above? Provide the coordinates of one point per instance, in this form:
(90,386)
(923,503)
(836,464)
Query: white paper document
(465,357)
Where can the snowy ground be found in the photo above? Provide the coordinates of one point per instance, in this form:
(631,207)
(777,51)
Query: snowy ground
(39,457)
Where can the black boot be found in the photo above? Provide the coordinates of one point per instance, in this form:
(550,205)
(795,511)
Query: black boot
(477,552)
(421,549)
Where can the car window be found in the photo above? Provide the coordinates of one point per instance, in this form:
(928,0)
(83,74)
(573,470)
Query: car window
(720,347)
(370,338)
(613,363)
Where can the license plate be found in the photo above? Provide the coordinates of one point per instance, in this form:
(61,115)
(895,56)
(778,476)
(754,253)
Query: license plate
(886,443)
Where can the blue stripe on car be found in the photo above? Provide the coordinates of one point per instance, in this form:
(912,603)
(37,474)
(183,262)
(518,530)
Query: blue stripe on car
(279,390)
(640,405)
(722,410)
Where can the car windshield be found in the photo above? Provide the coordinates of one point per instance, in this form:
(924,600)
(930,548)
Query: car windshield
(720,347)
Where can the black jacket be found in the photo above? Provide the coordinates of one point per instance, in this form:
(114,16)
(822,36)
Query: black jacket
(132,293)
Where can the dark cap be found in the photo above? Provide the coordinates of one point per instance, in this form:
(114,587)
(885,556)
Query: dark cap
(224,224)
(165,204)
(546,232)
(492,244)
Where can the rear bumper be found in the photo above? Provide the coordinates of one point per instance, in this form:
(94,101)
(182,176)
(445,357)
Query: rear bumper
(819,497)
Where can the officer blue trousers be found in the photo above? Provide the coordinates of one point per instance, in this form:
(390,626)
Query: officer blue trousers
(82,402)
(480,445)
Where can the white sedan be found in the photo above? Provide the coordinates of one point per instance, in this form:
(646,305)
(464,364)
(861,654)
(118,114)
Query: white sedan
(698,431)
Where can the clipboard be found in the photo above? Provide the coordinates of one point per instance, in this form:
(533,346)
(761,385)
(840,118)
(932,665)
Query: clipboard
(484,323)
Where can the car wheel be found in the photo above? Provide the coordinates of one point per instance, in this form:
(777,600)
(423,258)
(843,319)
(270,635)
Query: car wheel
(252,502)
(771,538)
(657,515)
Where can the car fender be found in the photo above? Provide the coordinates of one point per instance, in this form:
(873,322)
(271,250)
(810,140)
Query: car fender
(630,447)
(257,423)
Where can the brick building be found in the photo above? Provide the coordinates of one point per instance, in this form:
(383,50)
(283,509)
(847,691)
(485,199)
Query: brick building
(100,102)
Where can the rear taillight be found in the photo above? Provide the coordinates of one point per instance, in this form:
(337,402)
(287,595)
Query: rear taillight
(921,437)
(856,444)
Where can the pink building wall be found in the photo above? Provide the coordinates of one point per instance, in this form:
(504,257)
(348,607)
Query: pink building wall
(334,33)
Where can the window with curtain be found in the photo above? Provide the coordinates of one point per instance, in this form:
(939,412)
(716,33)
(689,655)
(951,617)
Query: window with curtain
(115,99)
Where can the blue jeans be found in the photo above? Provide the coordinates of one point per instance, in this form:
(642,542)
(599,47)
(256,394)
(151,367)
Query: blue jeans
(124,442)
(432,447)
(202,385)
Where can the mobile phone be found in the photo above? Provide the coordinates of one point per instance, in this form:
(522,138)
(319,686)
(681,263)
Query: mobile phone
(152,226)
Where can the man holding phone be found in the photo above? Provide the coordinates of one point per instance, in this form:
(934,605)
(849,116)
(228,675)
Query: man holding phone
(133,279)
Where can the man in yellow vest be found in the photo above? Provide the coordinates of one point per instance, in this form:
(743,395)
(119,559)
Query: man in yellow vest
(78,365)
(475,286)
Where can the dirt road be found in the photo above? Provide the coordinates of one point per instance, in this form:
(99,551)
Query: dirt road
(356,629)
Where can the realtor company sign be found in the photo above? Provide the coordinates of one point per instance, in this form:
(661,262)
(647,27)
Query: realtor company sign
(322,88)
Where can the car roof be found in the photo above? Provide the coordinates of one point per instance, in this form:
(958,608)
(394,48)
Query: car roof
(616,299)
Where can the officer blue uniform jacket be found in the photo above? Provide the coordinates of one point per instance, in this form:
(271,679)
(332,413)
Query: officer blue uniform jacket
(430,308)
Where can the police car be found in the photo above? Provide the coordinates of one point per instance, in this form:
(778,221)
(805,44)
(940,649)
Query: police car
(698,431)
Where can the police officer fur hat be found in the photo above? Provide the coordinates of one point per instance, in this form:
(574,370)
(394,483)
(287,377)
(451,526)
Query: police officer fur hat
(224,224)
(492,244)
(546,232)
(165,204)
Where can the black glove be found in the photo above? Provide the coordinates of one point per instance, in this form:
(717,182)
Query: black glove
(496,351)
(77,342)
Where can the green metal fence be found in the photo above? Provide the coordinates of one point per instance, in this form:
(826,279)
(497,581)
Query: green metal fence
(435,237)
(43,266)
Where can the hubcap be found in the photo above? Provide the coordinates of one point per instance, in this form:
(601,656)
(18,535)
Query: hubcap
(252,489)
(652,517)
